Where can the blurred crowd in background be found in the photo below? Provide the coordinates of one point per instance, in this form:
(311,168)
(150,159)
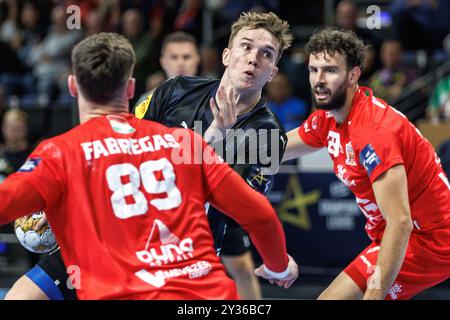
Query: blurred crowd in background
(407,59)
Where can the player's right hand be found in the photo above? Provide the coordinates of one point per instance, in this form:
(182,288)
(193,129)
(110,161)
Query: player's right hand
(285,281)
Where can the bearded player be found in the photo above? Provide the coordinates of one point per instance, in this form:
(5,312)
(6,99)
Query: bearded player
(392,170)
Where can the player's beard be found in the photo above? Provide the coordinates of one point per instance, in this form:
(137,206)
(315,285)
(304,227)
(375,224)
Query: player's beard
(337,100)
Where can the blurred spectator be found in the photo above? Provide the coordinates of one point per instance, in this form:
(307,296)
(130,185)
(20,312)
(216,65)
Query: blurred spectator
(15,78)
(225,12)
(291,110)
(179,55)
(111,14)
(346,18)
(31,32)
(421,24)
(10,69)
(439,106)
(145,47)
(368,65)
(9,15)
(189,18)
(51,58)
(16,148)
(210,62)
(295,67)
(94,23)
(388,82)
(13,153)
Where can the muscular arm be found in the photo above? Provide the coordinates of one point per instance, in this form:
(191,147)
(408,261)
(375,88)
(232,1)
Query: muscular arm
(391,193)
(296,147)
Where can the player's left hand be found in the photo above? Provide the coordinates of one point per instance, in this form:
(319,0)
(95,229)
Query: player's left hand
(285,281)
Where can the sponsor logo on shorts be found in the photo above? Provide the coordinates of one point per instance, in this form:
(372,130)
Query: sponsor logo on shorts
(395,291)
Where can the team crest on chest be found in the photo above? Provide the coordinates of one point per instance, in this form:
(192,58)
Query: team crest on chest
(349,155)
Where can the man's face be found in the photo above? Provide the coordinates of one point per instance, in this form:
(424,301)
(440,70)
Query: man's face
(346,15)
(391,54)
(14,130)
(251,60)
(328,76)
(180,59)
(131,23)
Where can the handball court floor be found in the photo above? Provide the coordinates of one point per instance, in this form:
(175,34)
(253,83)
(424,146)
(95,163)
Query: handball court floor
(303,289)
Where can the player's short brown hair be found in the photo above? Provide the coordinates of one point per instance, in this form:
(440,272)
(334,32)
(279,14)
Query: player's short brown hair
(178,37)
(332,40)
(102,64)
(268,21)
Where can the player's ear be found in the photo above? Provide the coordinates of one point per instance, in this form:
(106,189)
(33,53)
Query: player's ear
(354,75)
(130,88)
(273,74)
(72,85)
(226,57)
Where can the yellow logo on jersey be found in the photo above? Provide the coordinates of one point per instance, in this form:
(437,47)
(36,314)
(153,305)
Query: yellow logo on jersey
(141,108)
(259,178)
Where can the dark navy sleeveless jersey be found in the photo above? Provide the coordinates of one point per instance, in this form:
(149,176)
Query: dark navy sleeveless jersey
(254,146)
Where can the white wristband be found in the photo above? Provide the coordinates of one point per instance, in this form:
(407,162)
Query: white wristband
(276,275)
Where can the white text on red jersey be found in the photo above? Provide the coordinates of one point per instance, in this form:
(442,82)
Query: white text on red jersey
(110,146)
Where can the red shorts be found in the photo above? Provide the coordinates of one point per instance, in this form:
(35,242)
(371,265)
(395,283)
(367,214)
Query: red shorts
(426,263)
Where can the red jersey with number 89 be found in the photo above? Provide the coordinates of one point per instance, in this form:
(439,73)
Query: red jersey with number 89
(373,138)
(142,232)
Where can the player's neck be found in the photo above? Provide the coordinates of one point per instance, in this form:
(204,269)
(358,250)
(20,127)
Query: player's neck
(89,110)
(342,114)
